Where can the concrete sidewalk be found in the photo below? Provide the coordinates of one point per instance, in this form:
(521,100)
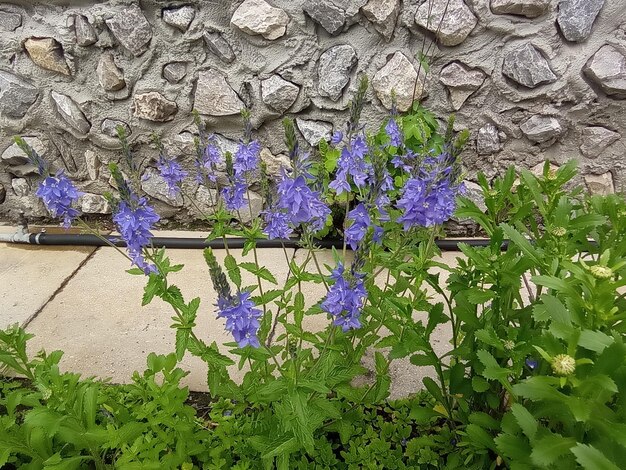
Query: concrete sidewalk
(81,300)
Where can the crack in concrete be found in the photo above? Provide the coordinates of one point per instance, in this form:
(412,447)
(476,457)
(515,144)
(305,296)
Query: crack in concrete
(60,288)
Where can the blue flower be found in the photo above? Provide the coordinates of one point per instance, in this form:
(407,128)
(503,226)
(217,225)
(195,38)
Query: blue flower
(531,363)
(361,221)
(208,161)
(172,173)
(134,220)
(277,225)
(336,137)
(247,157)
(301,203)
(242,318)
(234,195)
(394,133)
(426,204)
(58,193)
(352,162)
(345,299)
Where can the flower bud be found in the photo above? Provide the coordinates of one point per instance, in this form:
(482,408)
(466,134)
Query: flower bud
(563,365)
(601,272)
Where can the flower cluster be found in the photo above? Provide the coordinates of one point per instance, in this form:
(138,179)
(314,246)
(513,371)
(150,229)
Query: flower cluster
(207,161)
(247,159)
(134,219)
(172,173)
(242,318)
(58,194)
(352,163)
(345,299)
(361,222)
(424,204)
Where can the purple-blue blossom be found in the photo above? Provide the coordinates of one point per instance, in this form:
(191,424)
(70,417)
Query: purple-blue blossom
(301,203)
(424,203)
(345,299)
(352,162)
(277,225)
(207,163)
(247,157)
(134,220)
(361,222)
(242,318)
(234,195)
(394,133)
(336,137)
(58,193)
(172,173)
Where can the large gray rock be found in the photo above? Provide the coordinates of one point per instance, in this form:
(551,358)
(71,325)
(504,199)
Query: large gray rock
(541,128)
(20,186)
(451,20)
(257,17)
(576,18)
(70,112)
(23,170)
(110,76)
(205,201)
(219,46)
(601,185)
(488,140)
(334,69)
(94,204)
(252,208)
(154,185)
(461,81)
(327,15)
(383,15)
(85,34)
(174,72)
(278,93)
(595,139)
(607,68)
(214,96)
(153,106)
(13,155)
(527,66)
(527,8)
(398,78)
(131,28)
(314,131)
(10,21)
(48,54)
(179,18)
(109,127)
(16,95)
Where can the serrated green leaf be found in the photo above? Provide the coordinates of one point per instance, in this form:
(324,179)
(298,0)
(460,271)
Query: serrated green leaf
(547,449)
(233,270)
(526,421)
(591,458)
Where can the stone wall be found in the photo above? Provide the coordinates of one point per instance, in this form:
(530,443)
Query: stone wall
(532,80)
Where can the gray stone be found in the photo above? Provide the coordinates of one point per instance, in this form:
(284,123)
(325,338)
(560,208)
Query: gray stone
(179,18)
(451,20)
(20,186)
(109,127)
(488,140)
(398,78)
(246,215)
(131,28)
(607,68)
(576,18)
(278,93)
(461,82)
(16,95)
(10,21)
(92,163)
(70,112)
(94,204)
(48,54)
(219,46)
(154,185)
(182,145)
(327,15)
(13,155)
(595,139)
(174,72)
(257,17)
(110,76)
(334,69)
(205,201)
(527,8)
(85,34)
(23,170)
(474,192)
(527,66)
(383,14)
(214,96)
(601,185)
(3,194)
(153,106)
(314,131)
(273,162)
(541,128)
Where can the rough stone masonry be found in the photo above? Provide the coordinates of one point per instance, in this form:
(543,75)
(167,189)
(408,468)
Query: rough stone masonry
(531,79)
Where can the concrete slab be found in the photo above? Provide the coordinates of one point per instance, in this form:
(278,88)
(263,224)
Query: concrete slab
(99,322)
(31,275)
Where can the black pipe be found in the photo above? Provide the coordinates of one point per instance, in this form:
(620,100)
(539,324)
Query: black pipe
(199,243)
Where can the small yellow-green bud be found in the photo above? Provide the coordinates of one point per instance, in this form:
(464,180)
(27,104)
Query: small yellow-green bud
(492,193)
(558,231)
(563,365)
(509,345)
(601,272)
(551,175)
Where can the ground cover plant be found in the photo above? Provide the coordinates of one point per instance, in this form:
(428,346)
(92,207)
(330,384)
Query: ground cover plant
(534,372)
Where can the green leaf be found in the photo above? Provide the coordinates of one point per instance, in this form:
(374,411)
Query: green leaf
(526,421)
(492,371)
(523,244)
(478,296)
(479,384)
(284,445)
(259,271)
(479,436)
(182,338)
(233,270)
(591,458)
(298,309)
(553,309)
(594,340)
(153,287)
